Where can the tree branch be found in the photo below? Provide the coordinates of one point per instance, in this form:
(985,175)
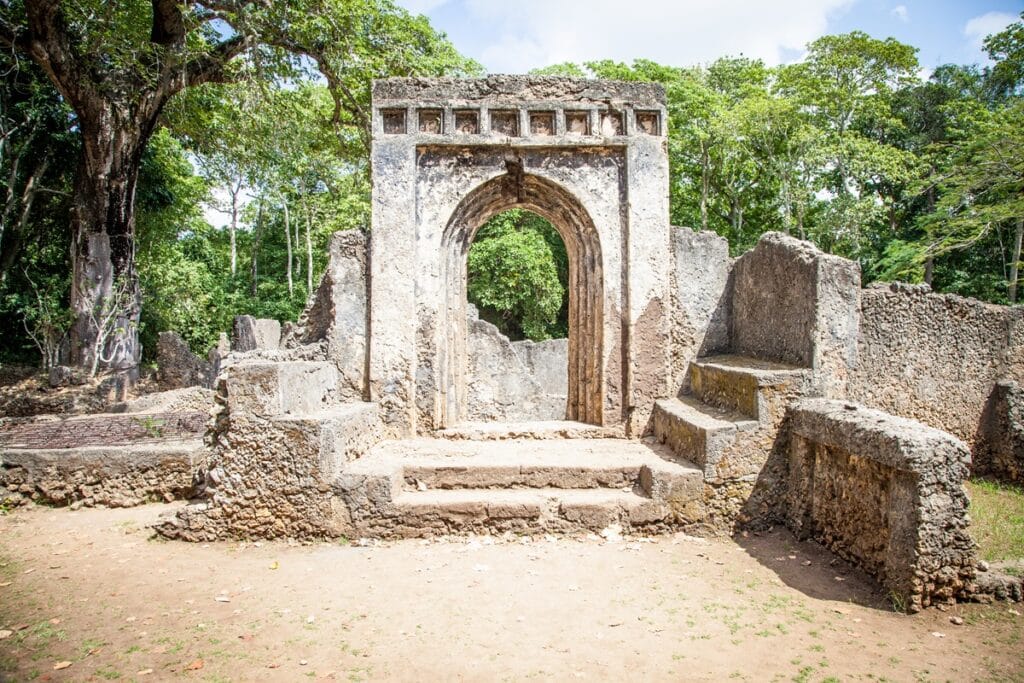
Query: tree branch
(49,44)
(168,23)
(210,68)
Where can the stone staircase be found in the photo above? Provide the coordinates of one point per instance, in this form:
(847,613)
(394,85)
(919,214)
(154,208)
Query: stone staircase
(564,477)
(728,417)
(437,486)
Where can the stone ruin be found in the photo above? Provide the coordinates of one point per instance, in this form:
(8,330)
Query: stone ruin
(695,392)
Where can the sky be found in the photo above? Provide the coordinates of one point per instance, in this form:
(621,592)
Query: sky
(514,36)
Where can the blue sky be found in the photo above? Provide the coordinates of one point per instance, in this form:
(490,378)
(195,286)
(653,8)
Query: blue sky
(513,36)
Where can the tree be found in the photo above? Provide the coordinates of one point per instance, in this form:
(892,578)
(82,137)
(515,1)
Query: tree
(847,84)
(118,64)
(1006,48)
(518,270)
(983,187)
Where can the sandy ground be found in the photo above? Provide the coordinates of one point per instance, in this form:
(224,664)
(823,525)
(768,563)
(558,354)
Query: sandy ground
(92,592)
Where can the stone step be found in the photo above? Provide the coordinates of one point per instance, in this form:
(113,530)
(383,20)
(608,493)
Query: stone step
(522,463)
(546,430)
(697,431)
(423,513)
(738,383)
(427,486)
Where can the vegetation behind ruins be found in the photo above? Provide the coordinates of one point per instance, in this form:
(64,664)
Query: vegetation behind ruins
(918,179)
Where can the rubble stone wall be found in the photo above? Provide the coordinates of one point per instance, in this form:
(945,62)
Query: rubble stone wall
(884,492)
(279,441)
(999,449)
(112,476)
(934,357)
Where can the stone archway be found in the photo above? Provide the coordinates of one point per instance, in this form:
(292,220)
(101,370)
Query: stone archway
(590,157)
(516,189)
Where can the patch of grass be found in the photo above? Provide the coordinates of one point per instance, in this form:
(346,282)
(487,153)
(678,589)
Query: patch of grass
(109,674)
(997,519)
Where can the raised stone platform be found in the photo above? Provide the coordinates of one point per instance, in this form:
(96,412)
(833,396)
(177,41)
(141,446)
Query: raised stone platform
(427,487)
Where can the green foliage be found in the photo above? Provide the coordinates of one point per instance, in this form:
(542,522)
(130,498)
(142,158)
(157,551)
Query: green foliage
(518,269)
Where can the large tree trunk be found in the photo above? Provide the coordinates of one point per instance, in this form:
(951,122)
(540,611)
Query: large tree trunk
(103,244)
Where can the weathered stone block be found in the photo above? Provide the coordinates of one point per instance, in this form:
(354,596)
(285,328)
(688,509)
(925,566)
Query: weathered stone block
(267,388)
(250,334)
(177,366)
(337,313)
(795,304)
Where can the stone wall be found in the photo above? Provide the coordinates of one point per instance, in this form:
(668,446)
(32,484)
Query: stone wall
(514,381)
(884,492)
(934,357)
(794,304)
(700,299)
(279,441)
(114,476)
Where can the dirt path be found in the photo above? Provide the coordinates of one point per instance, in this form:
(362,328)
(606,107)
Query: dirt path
(90,588)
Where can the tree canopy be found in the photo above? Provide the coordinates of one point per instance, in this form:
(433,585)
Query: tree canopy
(122,125)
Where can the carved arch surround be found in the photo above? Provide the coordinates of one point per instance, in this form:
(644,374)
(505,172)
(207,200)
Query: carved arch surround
(548,199)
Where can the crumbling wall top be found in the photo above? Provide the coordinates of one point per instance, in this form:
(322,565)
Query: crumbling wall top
(518,89)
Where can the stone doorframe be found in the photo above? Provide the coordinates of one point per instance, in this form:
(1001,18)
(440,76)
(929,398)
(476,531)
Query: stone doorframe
(516,189)
(589,156)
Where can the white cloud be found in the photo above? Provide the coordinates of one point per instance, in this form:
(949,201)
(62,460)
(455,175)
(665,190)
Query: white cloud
(533,33)
(901,13)
(982,26)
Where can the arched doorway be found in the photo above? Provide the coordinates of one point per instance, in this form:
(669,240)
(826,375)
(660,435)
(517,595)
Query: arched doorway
(585,400)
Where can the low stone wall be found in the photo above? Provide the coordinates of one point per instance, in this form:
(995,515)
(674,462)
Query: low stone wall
(884,492)
(112,476)
(514,381)
(934,357)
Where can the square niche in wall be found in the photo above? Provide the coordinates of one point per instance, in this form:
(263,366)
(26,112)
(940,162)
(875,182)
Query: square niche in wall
(577,122)
(430,121)
(505,123)
(394,121)
(647,123)
(611,123)
(542,123)
(467,122)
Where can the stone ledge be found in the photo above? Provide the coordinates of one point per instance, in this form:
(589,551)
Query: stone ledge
(112,476)
(893,441)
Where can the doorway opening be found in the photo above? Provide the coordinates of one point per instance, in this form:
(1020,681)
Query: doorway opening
(518,325)
(583,297)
